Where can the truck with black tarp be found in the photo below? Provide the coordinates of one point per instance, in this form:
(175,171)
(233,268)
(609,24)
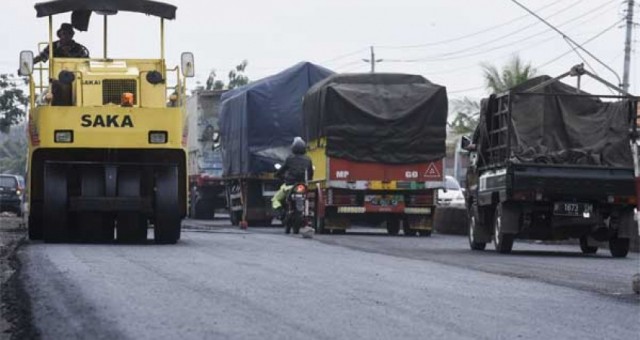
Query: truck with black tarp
(552,162)
(258,123)
(377,142)
(206,187)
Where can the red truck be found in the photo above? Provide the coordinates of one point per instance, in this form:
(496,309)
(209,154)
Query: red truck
(377,142)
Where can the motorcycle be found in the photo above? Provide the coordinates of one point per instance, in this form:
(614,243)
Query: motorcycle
(296,208)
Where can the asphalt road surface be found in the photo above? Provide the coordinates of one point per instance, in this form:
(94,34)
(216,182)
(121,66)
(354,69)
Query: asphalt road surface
(219,282)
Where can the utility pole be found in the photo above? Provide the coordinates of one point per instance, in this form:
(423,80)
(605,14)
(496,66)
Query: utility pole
(627,47)
(373,61)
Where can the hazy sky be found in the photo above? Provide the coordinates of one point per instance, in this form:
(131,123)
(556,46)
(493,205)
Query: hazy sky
(443,40)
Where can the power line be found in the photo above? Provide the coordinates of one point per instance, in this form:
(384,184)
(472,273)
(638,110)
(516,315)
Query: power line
(537,43)
(569,39)
(348,64)
(452,55)
(440,42)
(342,56)
(466,90)
(551,61)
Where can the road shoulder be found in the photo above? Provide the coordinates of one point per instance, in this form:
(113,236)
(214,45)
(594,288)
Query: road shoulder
(15,316)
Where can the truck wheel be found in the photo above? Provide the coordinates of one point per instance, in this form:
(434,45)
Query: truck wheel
(203,209)
(167,207)
(131,228)
(93,226)
(407,230)
(235,217)
(287,226)
(393,226)
(473,225)
(35,221)
(585,247)
(425,232)
(319,224)
(55,204)
(503,242)
(619,247)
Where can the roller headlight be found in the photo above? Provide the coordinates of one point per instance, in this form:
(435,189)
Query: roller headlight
(63,136)
(158,137)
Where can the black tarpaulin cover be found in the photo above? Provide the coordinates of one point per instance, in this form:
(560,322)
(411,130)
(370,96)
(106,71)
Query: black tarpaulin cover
(378,117)
(568,130)
(259,121)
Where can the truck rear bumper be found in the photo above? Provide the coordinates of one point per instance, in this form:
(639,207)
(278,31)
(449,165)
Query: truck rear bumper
(399,211)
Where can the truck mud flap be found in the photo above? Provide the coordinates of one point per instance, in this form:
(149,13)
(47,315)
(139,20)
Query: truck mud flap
(511,213)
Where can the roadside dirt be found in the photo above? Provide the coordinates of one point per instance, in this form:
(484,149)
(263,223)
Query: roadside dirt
(15,318)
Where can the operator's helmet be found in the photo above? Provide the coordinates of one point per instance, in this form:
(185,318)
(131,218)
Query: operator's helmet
(298,147)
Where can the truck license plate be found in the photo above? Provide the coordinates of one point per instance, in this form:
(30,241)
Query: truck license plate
(383,200)
(573,209)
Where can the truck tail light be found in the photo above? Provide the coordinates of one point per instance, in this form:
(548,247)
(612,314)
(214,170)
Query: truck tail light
(524,195)
(419,200)
(622,199)
(344,199)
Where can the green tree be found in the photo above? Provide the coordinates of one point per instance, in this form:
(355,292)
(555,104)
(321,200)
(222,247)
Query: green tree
(237,77)
(13,150)
(511,74)
(211,80)
(466,112)
(13,101)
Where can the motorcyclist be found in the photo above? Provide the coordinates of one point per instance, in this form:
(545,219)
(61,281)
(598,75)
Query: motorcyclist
(297,168)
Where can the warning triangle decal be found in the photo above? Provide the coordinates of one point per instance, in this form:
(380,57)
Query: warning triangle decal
(432,171)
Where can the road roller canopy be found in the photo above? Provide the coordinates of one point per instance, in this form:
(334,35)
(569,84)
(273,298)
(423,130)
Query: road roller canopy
(156,8)
(81,9)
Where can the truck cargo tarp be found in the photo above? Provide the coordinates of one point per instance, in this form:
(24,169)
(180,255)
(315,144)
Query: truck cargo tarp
(567,130)
(259,121)
(381,118)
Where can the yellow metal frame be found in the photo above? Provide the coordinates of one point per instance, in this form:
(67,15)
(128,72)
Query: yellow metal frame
(154,109)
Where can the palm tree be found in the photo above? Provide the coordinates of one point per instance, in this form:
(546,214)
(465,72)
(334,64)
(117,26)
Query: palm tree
(513,73)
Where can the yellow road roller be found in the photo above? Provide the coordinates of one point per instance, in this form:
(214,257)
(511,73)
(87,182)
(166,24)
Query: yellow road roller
(107,136)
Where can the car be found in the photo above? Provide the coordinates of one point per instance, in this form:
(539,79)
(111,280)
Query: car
(11,193)
(452,195)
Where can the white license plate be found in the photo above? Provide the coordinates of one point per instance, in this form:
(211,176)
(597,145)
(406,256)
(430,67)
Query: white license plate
(573,209)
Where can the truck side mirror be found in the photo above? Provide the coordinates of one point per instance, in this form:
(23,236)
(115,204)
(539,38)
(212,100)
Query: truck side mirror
(188,67)
(26,63)
(467,144)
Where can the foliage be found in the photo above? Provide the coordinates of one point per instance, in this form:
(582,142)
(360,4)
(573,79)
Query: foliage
(466,112)
(512,74)
(236,76)
(13,101)
(13,151)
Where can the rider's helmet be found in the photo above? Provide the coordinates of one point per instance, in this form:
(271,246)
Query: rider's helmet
(298,147)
